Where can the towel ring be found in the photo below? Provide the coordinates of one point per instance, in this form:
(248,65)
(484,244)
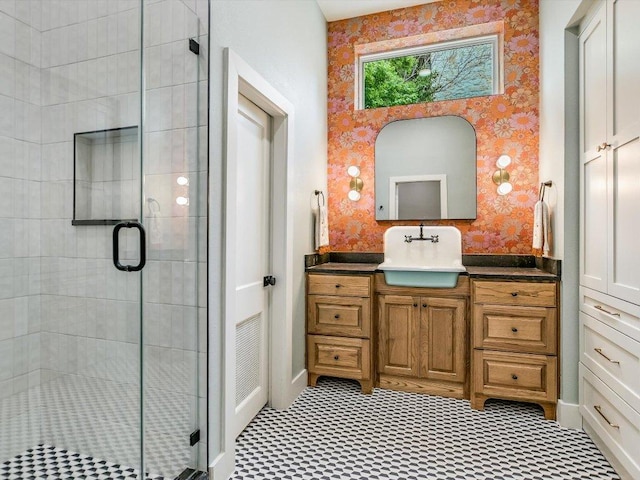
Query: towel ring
(320,193)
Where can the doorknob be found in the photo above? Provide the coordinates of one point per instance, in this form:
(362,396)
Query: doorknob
(268,280)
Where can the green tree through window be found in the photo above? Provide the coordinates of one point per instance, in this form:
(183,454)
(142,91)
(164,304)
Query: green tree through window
(460,72)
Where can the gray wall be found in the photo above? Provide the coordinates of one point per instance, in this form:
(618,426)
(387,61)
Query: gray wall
(559,162)
(286,43)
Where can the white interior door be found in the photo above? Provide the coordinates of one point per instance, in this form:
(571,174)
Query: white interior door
(252,261)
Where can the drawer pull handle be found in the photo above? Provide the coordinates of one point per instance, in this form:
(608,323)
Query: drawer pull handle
(336,357)
(514,329)
(613,314)
(514,376)
(598,409)
(336,316)
(599,351)
(514,294)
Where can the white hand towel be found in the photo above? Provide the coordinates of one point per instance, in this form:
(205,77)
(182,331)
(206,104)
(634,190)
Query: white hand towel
(541,229)
(322,226)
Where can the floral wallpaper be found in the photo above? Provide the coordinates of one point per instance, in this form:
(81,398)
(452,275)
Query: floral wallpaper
(505,123)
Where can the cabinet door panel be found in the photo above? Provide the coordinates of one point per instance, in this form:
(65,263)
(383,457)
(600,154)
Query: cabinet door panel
(593,232)
(398,330)
(625,67)
(443,339)
(593,96)
(624,223)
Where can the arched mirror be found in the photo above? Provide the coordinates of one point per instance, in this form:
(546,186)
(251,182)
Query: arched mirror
(426,169)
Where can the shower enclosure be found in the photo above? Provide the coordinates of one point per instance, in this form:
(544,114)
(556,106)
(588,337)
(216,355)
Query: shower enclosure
(103,177)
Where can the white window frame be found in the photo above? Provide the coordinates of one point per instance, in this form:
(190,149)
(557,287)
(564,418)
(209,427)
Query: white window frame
(491,39)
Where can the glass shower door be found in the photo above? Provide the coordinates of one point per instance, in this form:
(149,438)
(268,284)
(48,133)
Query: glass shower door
(174,212)
(101,150)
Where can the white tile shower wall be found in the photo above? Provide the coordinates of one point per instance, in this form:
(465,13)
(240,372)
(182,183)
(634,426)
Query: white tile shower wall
(20,337)
(89,323)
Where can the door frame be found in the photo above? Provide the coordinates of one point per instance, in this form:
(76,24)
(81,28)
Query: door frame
(283,389)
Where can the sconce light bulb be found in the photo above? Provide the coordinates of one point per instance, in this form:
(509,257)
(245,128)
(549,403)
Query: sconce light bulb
(504,188)
(503,161)
(182,200)
(182,180)
(353,171)
(353,195)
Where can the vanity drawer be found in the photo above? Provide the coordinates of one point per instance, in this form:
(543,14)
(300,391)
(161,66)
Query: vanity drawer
(340,357)
(515,375)
(515,293)
(612,419)
(612,356)
(348,316)
(344,285)
(515,328)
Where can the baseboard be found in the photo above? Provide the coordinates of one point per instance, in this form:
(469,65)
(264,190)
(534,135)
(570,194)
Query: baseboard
(298,384)
(222,466)
(569,415)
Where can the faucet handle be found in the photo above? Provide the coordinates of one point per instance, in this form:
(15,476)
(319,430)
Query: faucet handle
(408,239)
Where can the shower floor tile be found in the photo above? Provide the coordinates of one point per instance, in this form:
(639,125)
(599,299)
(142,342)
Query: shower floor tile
(334,432)
(46,462)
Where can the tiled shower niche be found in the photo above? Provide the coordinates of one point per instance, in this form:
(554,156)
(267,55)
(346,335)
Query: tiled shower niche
(106,187)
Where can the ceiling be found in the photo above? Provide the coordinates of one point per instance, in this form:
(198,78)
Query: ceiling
(341,9)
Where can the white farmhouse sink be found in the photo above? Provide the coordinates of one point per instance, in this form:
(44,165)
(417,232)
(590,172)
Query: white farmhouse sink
(429,256)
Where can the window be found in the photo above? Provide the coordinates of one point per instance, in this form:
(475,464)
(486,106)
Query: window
(444,71)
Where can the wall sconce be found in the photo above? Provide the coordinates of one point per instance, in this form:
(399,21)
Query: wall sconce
(501,176)
(356,184)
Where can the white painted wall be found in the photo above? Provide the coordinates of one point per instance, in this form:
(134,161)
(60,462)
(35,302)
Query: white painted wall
(559,162)
(285,42)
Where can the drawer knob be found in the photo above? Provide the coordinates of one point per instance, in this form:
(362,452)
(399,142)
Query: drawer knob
(514,376)
(514,329)
(338,285)
(336,316)
(415,304)
(514,294)
(336,357)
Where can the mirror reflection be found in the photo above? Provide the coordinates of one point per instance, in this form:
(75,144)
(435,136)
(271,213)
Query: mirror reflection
(425,169)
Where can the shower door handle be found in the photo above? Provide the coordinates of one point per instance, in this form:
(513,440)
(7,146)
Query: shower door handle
(116,247)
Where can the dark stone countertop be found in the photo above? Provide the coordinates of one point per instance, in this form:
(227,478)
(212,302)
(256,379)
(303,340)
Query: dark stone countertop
(508,267)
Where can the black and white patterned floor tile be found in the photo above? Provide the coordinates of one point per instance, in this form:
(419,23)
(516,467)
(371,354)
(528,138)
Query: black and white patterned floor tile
(334,432)
(46,462)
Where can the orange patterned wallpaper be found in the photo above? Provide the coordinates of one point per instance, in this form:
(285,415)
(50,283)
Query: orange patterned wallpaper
(506,123)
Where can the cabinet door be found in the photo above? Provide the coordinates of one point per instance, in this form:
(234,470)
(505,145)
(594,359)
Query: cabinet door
(443,354)
(398,335)
(624,154)
(593,134)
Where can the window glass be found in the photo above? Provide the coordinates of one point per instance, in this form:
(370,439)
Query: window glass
(429,74)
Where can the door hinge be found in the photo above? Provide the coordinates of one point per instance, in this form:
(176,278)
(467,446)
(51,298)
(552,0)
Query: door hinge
(194,437)
(268,280)
(194,46)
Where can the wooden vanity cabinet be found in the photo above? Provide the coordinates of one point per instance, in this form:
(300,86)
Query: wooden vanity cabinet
(339,326)
(515,342)
(422,339)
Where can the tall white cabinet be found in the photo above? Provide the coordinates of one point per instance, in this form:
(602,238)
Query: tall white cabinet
(610,231)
